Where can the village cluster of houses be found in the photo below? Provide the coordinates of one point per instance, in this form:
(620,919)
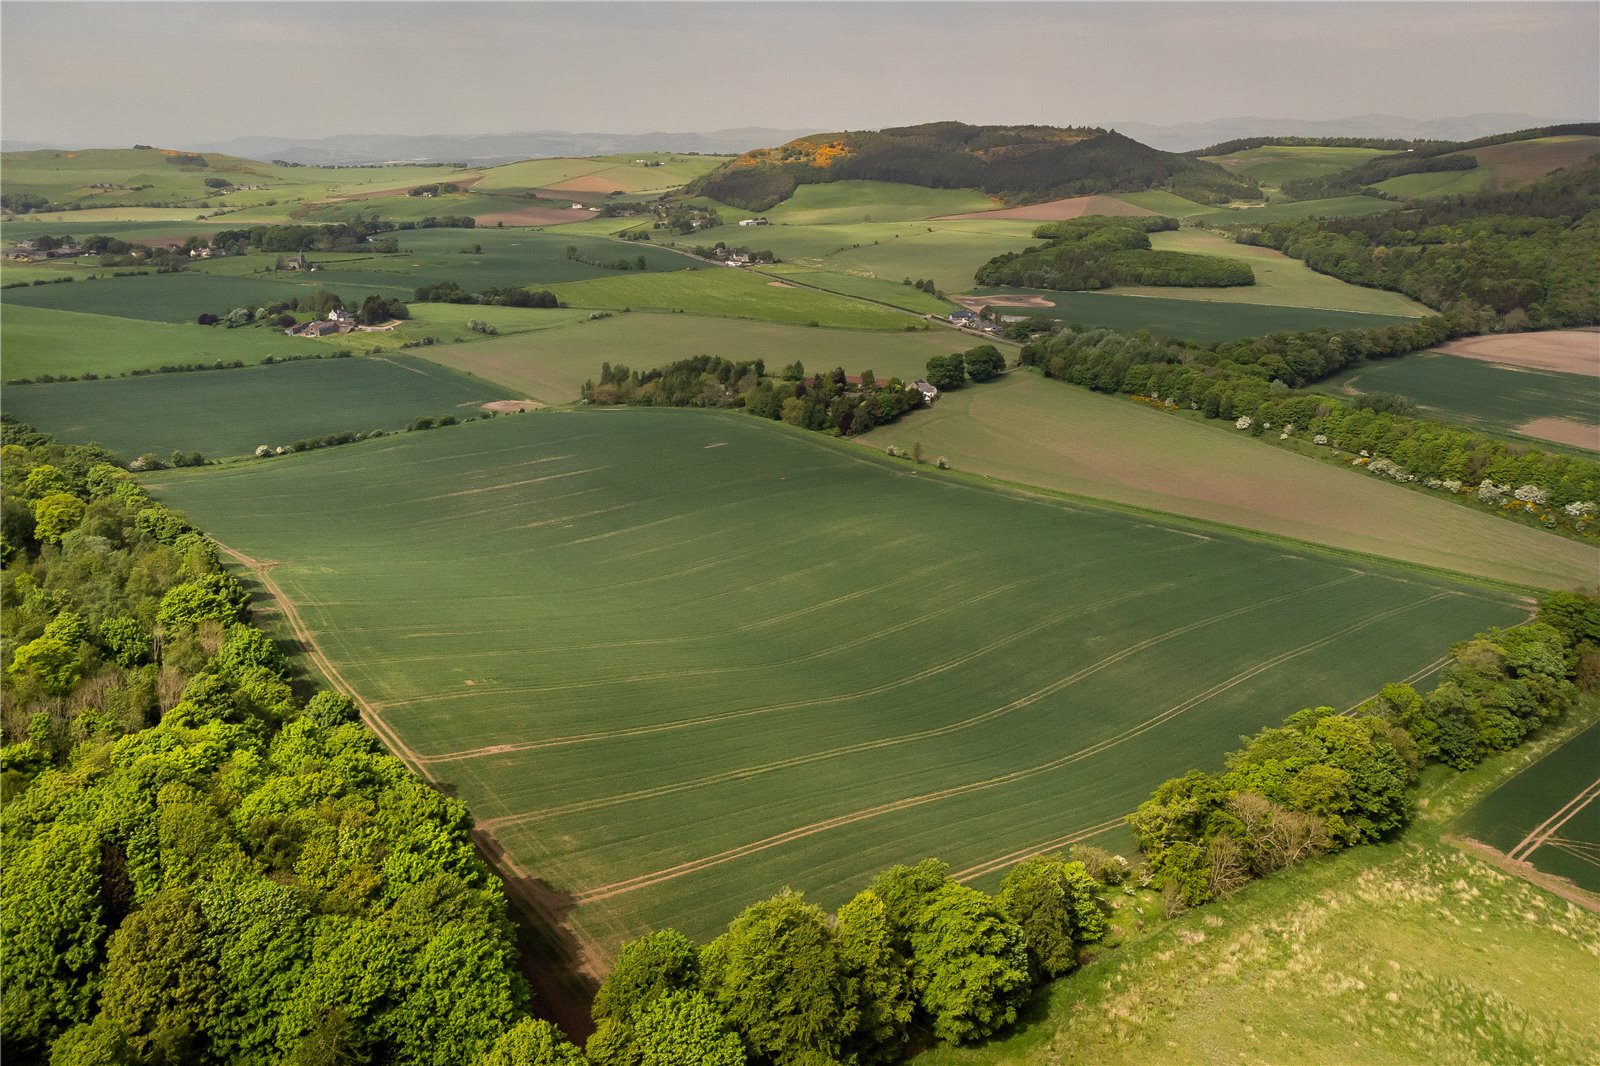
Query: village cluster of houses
(338,321)
(25,252)
(970,320)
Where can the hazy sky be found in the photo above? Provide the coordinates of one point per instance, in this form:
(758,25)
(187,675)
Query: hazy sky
(173,73)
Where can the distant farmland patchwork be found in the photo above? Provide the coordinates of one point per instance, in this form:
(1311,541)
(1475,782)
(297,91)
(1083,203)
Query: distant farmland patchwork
(691,658)
(231,412)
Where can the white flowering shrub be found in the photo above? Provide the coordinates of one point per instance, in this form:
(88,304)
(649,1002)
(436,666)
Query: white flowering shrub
(1581,509)
(1243,422)
(1451,484)
(263,451)
(1489,492)
(1320,438)
(1532,494)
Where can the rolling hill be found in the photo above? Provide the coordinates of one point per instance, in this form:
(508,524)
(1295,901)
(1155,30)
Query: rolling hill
(1021,163)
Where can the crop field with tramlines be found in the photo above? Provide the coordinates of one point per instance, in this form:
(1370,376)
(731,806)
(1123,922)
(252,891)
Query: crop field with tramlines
(676,660)
(1549,814)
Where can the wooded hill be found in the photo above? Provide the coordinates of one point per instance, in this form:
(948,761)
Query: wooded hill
(1019,163)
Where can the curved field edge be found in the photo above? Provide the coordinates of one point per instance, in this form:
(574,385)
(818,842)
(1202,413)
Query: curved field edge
(1028,431)
(922,663)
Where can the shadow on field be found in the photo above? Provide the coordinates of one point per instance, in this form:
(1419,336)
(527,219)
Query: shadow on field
(550,956)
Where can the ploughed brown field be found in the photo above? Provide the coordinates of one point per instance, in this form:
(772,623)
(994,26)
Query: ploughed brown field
(1564,351)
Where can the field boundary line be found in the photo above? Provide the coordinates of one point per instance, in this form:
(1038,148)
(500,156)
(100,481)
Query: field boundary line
(1010,858)
(1545,829)
(489,851)
(695,865)
(972,721)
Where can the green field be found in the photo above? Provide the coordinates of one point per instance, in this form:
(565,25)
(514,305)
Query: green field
(1275,164)
(552,365)
(872,201)
(729,293)
(1280,280)
(1549,814)
(1165,203)
(70,344)
(1030,430)
(230,412)
(1439,183)
(878,290)
(1292,211)
(689,657)
(1205,320)
(1497,398)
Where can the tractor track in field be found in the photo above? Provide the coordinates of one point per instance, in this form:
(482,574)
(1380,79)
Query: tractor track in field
(566,1005)
(820,701)
(1027,700)
(617,888)
(1011,858)
(1542,833)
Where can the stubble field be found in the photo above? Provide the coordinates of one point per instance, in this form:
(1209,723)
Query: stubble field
(677,660)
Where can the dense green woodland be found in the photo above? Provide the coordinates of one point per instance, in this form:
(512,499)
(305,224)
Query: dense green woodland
(1015,162)
(1523,259)
(1249,381)
(1097,252)
(198,866)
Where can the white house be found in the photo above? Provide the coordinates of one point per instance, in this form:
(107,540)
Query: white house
(341,317)
(963,318)
(754,222)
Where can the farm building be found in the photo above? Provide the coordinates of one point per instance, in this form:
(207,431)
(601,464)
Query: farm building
(929,393)
(754,222)
(962,318)
(340,317)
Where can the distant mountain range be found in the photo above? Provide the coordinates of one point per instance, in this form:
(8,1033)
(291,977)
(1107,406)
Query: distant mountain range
(479,149)
(1187,136)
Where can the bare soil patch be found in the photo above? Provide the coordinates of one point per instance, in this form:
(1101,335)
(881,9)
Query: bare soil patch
(533,216)
(973,303)
(1521,162)
(1574,351)
(1057,210)
(506,406)
(780,285)
(1563,431)
(587,183)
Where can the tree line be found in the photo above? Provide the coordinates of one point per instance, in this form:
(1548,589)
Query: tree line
(1097,252)
(829,402)
(1249,381)
(451,292)
(1324,780)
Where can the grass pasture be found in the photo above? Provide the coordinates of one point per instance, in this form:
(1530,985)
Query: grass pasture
(551,365)
(1027,429)
(600,174)
(1438,183)
(1164,316)
(1164,203)
(679,659)
(1548,815)
(1280,280)
(1502,399)
(1274,164)
(1291,211)
(872,201)
(1518,163)
(878,290)
(727,292)
(41,341)
(224,413)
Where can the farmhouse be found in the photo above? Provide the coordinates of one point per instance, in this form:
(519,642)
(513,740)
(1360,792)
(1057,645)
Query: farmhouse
(754,222)
(929,393)
(962,318)
(313,329)
(340,317)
